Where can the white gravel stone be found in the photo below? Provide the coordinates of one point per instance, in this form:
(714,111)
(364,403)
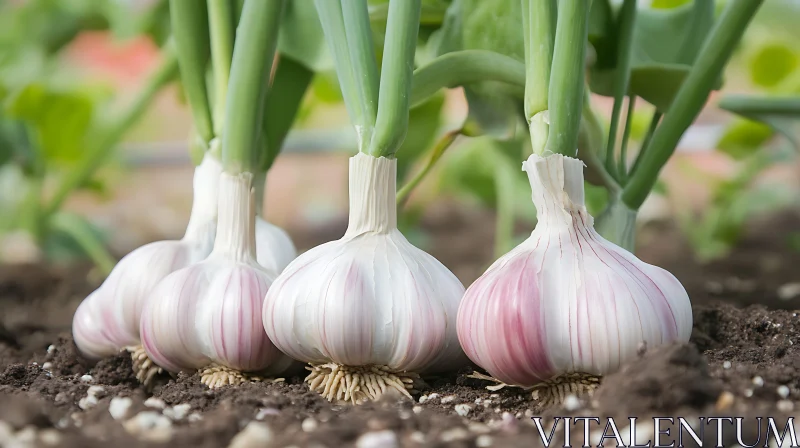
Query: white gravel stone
(572,403)
(455,434)
(309,424)
(150,426)
(264,412)
(119,406)
(50,437)
(783,391)
(155,403)
(448,399)
(254,435)
(87,378)
(178,412)
(87,402)
(758,381)
(462,409)
(378,439)
(785,406)
(483,441)
(726,365)
(417,437)
(6,432)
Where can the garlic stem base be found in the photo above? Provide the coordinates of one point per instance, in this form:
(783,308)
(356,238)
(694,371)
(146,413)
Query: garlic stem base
(216,375)
(358,384)
(553,391)
(143,367)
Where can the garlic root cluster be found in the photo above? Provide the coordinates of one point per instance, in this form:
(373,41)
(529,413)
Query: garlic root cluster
(566,300)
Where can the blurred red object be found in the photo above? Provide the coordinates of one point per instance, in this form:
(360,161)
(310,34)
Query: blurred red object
(119,62)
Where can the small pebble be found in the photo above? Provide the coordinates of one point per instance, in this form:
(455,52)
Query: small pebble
(462,409)
(155,403)
(178,412)
(572,403)
(726,365)
(483,441)
(263,412)
(789,291)
(448,399)
(417,409)
(785,406)
(758,381)
(86,378)
(254,435)
(149,426)
(452,435)
(309,424)
(119,406)
(378,439)
(479,428)
(87,402)
(417,437)
(748,393)
(47,366)
(51,348)
(783,391)
(725,401)
(50,437)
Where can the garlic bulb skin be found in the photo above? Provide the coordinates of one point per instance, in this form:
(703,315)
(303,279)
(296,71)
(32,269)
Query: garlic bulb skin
(566,300)
(274,248)
(370,298)
(108,319)
(209,312)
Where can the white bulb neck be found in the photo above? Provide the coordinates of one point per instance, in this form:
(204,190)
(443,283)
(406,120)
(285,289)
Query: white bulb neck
(373,195)
(205,194)
(236,236)
(557,189)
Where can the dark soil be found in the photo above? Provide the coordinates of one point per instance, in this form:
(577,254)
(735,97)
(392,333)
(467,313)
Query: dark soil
(741,362)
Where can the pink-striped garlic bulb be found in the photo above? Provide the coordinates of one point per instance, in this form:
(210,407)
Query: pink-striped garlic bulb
(207,316)
(107,321)
(566,302)
(369,311)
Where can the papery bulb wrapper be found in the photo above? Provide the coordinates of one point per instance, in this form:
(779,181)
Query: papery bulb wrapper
(108,319)
(566,300)
(370,298)
(210,312)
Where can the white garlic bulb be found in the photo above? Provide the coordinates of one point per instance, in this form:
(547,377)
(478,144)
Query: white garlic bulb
(368,299)
(566,300)
(209,312)
(108,319)
(274,247)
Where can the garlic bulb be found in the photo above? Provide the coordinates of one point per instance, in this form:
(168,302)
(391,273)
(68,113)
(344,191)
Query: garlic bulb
(108,319)
(274,248)
(208,314)
(566,301)
(369,307)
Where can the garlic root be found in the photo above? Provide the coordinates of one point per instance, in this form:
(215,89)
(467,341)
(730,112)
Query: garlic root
(357,384)
(553,391)
(143,367)
(216,375)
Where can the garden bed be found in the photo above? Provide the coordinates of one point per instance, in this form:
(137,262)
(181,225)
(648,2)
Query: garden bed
(742,361)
